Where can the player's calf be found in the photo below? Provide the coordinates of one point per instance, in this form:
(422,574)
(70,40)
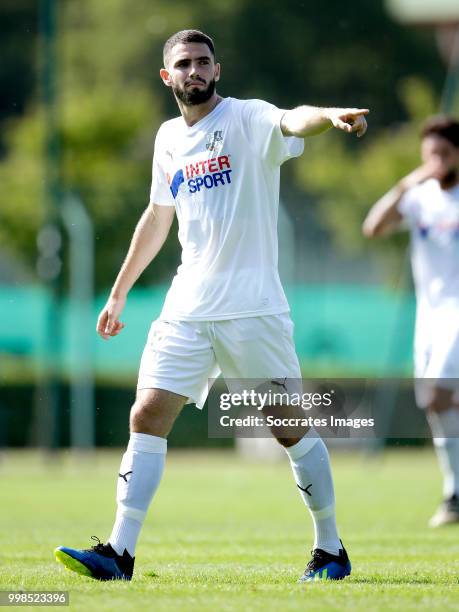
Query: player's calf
(139,476)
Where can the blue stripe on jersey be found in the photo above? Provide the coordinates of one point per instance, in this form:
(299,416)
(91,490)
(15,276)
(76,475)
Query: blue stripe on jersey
(176,182)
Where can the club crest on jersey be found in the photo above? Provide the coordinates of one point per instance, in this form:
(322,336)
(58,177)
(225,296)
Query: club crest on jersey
(214,141)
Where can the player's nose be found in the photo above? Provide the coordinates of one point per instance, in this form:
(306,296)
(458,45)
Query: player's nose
(194,71)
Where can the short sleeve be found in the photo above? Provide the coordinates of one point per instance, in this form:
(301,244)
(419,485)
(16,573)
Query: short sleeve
(408,206)
(160,192)
(261,126)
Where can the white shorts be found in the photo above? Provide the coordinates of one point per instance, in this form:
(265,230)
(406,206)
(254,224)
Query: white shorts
(181,356)
(436,350)
(436,354)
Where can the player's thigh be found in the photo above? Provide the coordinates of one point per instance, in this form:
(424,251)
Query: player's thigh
(178,357)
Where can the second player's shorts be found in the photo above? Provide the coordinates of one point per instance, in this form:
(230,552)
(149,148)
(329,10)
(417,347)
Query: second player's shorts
(436,353)
(181,356)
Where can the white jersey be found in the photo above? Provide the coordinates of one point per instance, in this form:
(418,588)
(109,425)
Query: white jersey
(222,175)
(433,217)
(432,214)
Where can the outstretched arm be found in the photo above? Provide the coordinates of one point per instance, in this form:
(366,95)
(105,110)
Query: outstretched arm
(384,217)
(149,236)
(312,120)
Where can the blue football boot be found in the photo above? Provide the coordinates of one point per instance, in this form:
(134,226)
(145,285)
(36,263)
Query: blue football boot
(100,562)
(324,566)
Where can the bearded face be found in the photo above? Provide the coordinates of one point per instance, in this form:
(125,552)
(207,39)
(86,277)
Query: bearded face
(191,72)
(191,94)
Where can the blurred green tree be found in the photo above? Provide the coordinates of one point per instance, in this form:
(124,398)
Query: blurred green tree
(112,101)
(109,110)
(18,35)
(347,181)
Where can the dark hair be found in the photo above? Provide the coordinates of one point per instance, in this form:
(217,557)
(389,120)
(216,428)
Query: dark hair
(187,36)
(443,126)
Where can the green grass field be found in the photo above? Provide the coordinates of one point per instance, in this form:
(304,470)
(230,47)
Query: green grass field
(227,534)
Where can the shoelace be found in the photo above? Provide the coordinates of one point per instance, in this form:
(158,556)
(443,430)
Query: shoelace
(97,547)
(317,560)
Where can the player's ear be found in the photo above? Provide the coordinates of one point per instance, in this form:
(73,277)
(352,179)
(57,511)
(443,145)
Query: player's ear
(217,72)
(165,76)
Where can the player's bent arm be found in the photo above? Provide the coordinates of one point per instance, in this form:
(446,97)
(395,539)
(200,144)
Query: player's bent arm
(311,120)
(384,217)
(149,236)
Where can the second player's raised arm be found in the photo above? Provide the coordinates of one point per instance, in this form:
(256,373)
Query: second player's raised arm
(311,120)
(384,216)
(149,236)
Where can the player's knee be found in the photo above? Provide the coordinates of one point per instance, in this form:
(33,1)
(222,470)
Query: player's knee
(286,442)
(438,404)
(439,401)
(150,418)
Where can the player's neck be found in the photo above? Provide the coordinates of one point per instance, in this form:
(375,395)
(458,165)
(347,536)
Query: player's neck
(193,114)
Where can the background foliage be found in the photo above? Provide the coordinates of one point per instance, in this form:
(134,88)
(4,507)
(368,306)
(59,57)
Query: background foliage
(111,102)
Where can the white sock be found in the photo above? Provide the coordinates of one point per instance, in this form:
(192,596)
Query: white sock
(140,473)
(311,467)
(445,432)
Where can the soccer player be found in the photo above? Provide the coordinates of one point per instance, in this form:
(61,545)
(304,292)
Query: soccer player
(427,202)
(217,167)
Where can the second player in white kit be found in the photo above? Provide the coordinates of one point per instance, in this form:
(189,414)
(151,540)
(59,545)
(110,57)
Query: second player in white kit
(432,214)
(427,203)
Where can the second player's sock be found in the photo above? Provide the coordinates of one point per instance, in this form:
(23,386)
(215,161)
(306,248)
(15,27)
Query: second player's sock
(445,432)
(139,476)
(311,466)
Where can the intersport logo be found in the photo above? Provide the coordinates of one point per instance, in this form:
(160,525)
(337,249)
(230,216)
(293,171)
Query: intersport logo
(202,174)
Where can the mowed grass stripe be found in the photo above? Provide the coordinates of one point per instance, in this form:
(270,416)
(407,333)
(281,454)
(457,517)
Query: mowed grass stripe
(228,534)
